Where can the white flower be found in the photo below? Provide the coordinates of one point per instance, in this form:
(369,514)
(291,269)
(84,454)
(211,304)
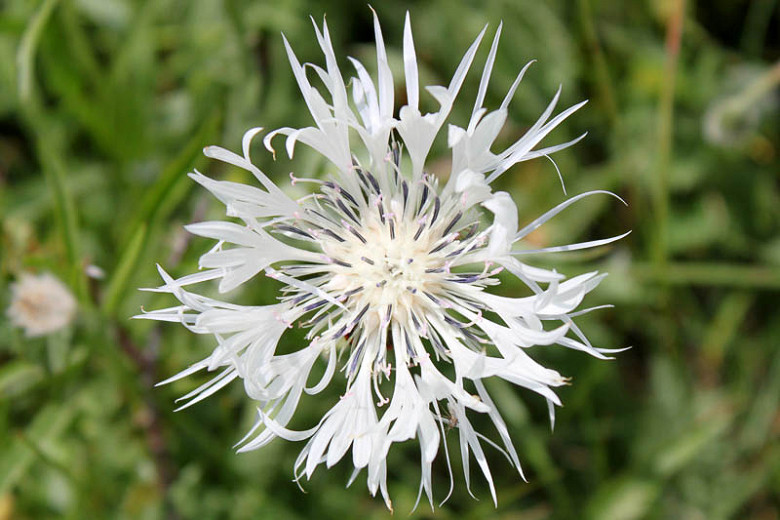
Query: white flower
(40,304)
(388,270)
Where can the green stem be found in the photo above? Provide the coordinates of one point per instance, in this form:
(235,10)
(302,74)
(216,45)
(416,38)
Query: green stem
(603,82)
(67,219)
(46,143)
(666,133)
(25,56)
(156,199)
(125,266)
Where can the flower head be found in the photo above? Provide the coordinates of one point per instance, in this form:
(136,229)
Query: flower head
(388,268)
(40,304)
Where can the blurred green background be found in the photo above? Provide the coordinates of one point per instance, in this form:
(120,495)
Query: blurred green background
(105,105)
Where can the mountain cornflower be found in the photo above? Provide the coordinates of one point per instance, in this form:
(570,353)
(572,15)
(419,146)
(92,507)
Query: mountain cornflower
(41,304)
(388,268)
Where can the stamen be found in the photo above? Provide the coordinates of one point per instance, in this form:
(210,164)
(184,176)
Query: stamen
(354,360)
(355,232)
(292,229)
(419,231)
(341,192)
(339,333)
(396,151)
(347,212)
(423,198)
(477,319)
(363,179)
(315,305)
(436,208)
(466,332)
(359,316)
(314,321)
(409,349)
(382,399)
(294,180)
(465,279)
(445,242)
(298,299)
(455,323)
(373,182)
(344,193)
(381,209)
(452,223)
(436,342)
(332,234)
(352,292)
(433,298)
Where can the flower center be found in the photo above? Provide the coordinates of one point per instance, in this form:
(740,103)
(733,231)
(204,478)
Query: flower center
(386,255)
(390,268)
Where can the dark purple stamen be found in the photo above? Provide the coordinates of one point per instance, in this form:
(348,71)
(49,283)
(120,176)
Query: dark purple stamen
(295,230)
(441,246)
(436,208)
(452,223)
(419,231)
(315,305)
(373,182)
(356,233)
(423,198)
(347,212)
(352,292)
(332,234)
(359,316)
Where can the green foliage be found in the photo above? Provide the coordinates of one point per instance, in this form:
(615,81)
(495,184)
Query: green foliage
(105,105)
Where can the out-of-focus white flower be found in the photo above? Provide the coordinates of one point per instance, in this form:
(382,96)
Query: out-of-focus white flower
(40,304)
(387,269)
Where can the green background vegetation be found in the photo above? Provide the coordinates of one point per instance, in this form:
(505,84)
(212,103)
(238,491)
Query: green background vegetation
(105,106)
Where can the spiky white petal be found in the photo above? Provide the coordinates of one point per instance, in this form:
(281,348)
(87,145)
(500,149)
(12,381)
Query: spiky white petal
(388,272)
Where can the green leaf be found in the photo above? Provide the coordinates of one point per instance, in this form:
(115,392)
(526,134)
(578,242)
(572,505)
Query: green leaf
(47,425)
(26,55)
(626,498)
(125,267)
(174,174)
(16,377)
